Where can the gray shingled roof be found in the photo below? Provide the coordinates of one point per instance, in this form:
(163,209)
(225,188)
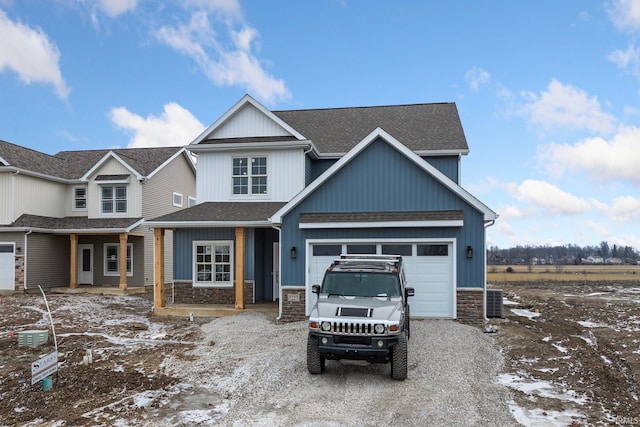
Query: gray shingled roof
(420,127)
(73,223)
(325,217)
(224,211)
(74,164)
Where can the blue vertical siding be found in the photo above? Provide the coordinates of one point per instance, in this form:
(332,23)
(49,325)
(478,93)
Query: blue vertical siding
(448,165)
(383,179)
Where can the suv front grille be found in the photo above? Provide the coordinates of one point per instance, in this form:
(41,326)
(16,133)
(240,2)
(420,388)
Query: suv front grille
(352,328)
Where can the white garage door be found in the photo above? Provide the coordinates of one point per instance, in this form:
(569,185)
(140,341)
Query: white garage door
(428,269)
(7,267)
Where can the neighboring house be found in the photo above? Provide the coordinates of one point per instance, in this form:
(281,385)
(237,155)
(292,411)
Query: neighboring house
(280,194)
(77,217)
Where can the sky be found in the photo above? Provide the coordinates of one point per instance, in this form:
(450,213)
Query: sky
(548,91)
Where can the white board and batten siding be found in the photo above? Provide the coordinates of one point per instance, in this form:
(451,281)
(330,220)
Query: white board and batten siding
(285,175)
(248,122)
(432,277)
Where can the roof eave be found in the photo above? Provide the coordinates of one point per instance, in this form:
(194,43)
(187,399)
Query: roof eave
(207,224)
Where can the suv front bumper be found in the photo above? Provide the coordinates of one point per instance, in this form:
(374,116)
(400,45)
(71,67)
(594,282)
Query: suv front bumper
(376,349)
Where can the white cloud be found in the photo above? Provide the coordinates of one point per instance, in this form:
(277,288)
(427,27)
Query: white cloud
(628,60)
(31,55)
(511,211)
(565,106)
(477,77)
(233,65)
(624,209)
(625,14)
(174,127)
(114,8)
(548,199)
(597,228)
(616,159)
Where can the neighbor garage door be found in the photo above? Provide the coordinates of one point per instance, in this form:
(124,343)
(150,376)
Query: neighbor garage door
(428,269)
(7,267)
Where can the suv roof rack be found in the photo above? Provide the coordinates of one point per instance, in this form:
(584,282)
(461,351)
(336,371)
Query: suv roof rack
(367,260)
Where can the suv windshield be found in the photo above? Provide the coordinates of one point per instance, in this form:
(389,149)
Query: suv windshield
(361,284)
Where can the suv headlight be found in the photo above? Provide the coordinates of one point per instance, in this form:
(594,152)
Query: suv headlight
(378,328)
(325,326)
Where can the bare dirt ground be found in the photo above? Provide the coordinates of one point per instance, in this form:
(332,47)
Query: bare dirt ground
(571,357)
(572,352)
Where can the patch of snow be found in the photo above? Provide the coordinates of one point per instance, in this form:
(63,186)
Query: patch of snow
(560,348)
(541,417)
(547,338)
(589,324)
(539,388)
(548,370)
(505,301)
(606,359)
(524,313)
(595,294)
(529,360)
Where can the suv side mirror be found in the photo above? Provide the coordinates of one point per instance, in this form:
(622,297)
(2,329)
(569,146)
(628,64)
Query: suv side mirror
(409,292)
(315,289)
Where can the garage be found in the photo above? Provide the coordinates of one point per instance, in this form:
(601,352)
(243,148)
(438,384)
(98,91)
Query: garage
(7,266)
(429,269)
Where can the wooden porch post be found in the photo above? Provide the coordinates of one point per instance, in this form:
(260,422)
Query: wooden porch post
(123,261)
(73,262)
(158,265)
(240,268)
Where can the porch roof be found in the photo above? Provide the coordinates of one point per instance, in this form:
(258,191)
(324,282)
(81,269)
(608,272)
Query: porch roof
(220,214)
(74,224)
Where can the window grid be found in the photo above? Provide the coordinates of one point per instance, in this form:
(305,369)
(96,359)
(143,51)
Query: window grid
(112,259)
(114,199)
(213,263)
(242,176)
(80,198)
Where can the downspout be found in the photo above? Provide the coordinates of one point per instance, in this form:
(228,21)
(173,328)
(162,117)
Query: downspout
(280,268)
(484,255)
(24,258)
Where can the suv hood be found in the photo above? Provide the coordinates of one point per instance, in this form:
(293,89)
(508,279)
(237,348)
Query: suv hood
(381,308)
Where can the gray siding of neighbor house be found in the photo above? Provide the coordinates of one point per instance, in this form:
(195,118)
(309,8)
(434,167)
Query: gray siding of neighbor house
(16,237)
(47,261)
(382,179)
(99,279)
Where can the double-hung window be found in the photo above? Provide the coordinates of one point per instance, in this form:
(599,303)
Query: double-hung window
(249,175)
(113,199)
(80,198)
(212,263)
(112,259)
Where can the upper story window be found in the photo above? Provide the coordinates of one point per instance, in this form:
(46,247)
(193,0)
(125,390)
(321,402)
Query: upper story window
(191,201)
(113,199)
(177,200)
(249,175)
(80,198)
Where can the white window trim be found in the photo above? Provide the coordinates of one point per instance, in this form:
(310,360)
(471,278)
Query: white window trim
(194,272)
(173,199)
(114,186)
(191,201)
(104,256)
(249,176)
(86,198)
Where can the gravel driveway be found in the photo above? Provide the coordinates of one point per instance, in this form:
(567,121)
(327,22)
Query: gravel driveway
(253,372)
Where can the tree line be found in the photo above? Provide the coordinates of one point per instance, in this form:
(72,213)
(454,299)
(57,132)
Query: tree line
(569,254)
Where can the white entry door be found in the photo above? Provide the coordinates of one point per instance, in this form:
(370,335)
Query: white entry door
(85,264)
(7,267)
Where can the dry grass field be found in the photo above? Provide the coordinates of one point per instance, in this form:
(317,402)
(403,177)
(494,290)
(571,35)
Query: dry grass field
(563,273)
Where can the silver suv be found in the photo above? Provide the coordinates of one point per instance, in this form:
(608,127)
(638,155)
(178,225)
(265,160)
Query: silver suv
(361,313)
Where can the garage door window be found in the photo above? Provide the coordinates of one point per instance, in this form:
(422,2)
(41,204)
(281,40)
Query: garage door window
(6,249)
(404,250)
(433,250)
(327,250)
(361,249)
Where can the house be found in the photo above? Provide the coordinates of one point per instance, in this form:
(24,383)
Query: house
(77,217)
(280,194)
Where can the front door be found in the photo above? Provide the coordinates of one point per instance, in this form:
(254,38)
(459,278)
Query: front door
(85,264)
